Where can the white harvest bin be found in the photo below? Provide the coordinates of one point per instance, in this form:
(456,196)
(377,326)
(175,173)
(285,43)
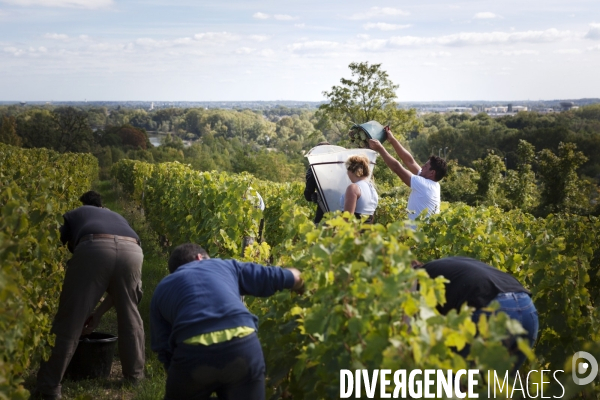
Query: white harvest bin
(327,163)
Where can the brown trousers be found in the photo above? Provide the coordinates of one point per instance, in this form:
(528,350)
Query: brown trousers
(98,266)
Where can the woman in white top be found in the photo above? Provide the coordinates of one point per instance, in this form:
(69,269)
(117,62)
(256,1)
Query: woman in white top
(360,197)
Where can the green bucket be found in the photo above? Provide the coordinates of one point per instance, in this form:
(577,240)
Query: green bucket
(373,130)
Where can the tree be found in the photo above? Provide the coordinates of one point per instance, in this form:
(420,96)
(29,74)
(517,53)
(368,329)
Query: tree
(519,186)
(125,135)
(460,184)
(36,128)
(369,95)
(490,175)
(562,189)
(8,131)
(73,129)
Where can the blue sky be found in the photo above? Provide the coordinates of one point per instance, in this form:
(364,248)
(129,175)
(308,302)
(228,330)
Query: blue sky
(294,50)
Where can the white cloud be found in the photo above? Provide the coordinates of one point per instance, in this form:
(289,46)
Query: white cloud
(259,15)
(594,32)
(594,48)
(379,12)
(484,38)
(384,27)
(512,52)
(215,36)
(317,45)
(184,40)
(284,17)
(440,54)
(30,51)
(13,50)
(299,25)
(259,38)
(568,51)
(148,42)
(56,36)
(244,50)
(89,4)
(267,53)
(486,15)
(363,36)
(206,37)
(373,45)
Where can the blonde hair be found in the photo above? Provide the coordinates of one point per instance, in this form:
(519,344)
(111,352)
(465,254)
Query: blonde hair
(358,165)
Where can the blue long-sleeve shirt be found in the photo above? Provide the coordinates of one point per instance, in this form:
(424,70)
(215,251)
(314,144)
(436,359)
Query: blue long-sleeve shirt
(204,296)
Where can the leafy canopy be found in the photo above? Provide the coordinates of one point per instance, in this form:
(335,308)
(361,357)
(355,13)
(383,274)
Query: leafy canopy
(368,95)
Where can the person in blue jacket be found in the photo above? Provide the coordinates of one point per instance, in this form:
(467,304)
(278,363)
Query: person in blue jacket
(201,330)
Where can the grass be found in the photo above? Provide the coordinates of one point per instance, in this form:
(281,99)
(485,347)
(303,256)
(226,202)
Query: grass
(153,270)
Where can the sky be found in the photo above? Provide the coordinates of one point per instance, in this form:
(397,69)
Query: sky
(230,50)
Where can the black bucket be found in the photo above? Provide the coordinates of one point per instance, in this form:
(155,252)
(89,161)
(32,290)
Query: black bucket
(93,357)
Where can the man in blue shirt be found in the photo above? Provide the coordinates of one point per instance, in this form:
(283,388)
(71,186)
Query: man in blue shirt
(202,331)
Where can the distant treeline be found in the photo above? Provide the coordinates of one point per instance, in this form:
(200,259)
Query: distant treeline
(539,162)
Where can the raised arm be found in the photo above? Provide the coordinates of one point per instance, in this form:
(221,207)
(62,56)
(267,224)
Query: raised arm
(404,155)
(391,162)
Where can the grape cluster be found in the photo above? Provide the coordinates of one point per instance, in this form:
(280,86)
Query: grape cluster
(359,137)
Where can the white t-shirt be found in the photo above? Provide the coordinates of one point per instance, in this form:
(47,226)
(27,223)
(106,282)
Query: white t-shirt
(424,193)
(368,200)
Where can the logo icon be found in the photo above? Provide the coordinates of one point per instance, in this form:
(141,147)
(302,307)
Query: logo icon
(581,368)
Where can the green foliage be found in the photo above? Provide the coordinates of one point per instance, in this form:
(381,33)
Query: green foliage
(460,184)
(562,189)
(360,310)
(490,176)
(36,187)
(552,257)
(123,135)
(213,205)
(519,186)
(8,131)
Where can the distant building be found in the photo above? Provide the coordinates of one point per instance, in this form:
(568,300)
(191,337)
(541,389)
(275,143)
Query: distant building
(517,109)
(459,109)
(497,110)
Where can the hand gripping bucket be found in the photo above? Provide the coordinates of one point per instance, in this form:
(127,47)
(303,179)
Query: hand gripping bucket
(372,130)
(93,357)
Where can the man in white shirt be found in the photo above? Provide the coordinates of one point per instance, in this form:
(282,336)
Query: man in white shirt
(423,181)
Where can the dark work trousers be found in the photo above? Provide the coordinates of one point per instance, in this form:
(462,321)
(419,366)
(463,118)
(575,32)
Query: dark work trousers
(234,370)
(98,266)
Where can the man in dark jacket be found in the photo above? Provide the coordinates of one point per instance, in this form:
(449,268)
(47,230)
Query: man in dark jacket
(202,331)
(107,257)
(478,284)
